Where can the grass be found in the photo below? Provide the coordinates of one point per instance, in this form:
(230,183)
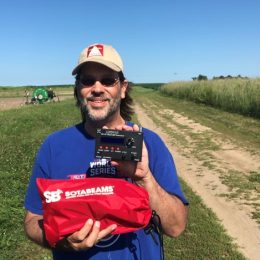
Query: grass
(234,95)
(21,134)
(204,237)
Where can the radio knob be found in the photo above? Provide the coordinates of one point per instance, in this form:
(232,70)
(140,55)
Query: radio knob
(130,142)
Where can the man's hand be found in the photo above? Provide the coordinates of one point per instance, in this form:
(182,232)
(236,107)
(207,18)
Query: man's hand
(89,235)
(138,171)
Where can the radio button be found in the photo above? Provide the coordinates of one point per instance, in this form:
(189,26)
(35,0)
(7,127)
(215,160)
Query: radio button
(130,142)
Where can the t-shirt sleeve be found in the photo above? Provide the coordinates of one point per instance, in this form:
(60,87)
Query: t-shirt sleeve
(162,165)
(40,170)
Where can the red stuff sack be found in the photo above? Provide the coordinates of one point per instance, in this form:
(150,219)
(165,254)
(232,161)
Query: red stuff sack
(68,204)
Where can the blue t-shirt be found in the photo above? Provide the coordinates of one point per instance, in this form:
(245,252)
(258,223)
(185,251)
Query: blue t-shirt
(69,154)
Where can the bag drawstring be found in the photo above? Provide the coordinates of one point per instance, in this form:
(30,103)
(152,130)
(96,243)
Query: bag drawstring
(155,225)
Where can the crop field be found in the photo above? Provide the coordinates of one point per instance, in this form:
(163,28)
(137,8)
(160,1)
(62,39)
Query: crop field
(235,95)
(23,129)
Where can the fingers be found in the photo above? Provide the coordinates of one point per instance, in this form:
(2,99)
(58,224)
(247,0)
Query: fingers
(124,128)
(121,128)
(103,233)
(134,128)
(89,235)
(91,240)
(82,233)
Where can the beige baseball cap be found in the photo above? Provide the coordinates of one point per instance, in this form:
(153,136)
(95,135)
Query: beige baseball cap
(100,53)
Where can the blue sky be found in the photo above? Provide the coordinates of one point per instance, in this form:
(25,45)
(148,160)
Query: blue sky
(159,41)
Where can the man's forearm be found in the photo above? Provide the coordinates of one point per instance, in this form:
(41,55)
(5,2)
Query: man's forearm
(33,226)
(171,210)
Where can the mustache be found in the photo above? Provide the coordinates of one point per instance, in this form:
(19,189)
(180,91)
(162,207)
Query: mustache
(94,97)
(97,98)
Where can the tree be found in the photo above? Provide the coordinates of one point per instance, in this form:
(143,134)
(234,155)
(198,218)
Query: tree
(202,77)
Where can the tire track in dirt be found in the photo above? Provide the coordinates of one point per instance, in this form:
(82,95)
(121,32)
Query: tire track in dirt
(235,215)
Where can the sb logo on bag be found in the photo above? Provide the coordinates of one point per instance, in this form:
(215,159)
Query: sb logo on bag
(52,196)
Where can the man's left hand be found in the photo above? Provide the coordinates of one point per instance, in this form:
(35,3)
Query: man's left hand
(138,171)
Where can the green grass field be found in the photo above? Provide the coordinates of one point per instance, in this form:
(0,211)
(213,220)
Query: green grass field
(21,133)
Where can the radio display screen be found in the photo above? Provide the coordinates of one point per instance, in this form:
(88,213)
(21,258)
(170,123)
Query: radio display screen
(112,140)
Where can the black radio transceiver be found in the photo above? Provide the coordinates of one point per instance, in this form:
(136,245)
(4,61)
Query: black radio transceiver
(119,145)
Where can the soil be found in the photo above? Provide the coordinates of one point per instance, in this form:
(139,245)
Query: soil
(7,103)
(234,215)
(16,102)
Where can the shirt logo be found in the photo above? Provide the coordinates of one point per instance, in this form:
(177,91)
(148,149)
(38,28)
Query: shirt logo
(95,50)
(101,168)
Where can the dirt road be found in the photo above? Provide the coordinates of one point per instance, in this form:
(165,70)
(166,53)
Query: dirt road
(235,215)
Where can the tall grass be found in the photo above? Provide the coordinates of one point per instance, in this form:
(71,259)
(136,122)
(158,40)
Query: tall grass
(234,95)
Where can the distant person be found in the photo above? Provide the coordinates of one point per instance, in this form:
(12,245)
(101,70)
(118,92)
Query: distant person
(26,95)
(102,94)
(51,94)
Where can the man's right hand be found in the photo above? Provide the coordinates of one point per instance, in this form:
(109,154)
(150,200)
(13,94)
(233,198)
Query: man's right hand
(89,235)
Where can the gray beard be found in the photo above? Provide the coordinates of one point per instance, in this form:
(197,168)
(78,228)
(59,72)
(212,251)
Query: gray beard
(99,119)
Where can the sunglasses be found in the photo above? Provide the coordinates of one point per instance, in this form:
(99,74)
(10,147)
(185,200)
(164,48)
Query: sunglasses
(106,81)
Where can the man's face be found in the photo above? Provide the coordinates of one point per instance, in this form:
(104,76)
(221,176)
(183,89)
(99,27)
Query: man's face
(100,92)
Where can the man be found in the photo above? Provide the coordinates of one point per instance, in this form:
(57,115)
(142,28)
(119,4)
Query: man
(102,93)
